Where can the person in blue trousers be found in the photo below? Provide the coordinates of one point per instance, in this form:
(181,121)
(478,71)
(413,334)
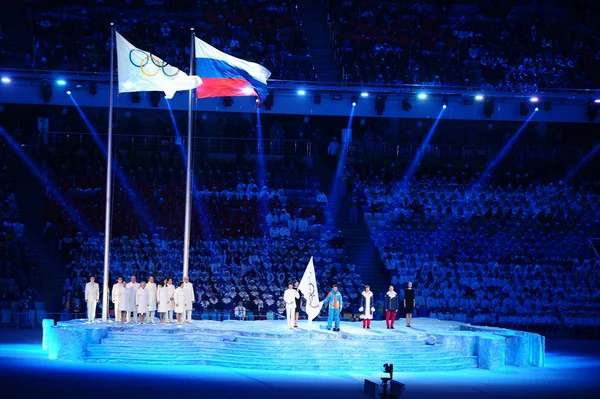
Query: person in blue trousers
(335,302)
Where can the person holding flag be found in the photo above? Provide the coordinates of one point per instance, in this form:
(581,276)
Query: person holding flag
(335,302)
(308,289)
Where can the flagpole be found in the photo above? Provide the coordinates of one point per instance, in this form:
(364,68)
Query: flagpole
(108,215)
(188,175)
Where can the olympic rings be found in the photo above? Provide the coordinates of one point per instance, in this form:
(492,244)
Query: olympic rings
(140,59)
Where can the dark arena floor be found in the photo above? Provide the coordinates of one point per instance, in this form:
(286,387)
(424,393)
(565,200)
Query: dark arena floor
(572,369)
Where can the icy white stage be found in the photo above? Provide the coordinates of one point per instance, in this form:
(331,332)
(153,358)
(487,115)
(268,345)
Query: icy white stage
(270,345)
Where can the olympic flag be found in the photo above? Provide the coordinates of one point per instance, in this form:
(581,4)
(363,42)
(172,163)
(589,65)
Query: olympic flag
(308,286)
(140,70)
(227,76)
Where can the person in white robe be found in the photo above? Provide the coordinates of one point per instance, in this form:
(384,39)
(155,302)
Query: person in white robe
(367,307)
(92,294)
(142,301)
(152,298)
(190,299)
(180,298)
(171,305)
(124,302)
(289,297)
(117,296)
(131,308)
(162,297)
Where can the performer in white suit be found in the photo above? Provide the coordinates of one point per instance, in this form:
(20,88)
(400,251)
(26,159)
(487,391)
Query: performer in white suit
(190,299)
(162,297)
(180,298)
(367,307)
(142,301)
(171,305)
(117,297)
(131,308)
(92,294)
(125,302)
(289,297)
(151,287)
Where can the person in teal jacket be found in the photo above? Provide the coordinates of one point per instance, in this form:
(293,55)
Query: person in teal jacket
(335,302)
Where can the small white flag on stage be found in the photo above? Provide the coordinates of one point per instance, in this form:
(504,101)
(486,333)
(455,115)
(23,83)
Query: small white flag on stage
(140,70)
(308,287)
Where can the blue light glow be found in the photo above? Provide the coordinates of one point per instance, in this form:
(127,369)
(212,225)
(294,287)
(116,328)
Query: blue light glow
(444,106)
(61,82)
(354,103)
(301,92)
(597,101)
(422,96)
(69,92)
(364,94)
(5,80)
(534,99)
(479,97)
(536,109)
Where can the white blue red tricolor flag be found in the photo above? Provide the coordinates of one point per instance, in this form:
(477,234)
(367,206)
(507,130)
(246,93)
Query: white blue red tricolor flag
(224,75)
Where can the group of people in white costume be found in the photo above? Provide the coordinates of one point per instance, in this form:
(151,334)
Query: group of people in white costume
(138,302)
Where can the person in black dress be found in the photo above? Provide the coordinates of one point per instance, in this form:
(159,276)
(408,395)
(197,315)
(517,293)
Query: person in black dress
(298,303)
(409,303)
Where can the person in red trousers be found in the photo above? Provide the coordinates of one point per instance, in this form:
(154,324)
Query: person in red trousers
(367,307)
(391,304)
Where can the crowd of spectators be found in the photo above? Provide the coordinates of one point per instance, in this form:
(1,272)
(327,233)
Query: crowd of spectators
(18,277)
(497,45)
(511,255)
(75,35)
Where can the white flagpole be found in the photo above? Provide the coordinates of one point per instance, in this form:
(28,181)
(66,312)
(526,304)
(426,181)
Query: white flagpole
(188,175)
(107,222)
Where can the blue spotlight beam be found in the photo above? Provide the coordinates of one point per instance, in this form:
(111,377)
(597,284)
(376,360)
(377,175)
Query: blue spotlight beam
(334,190)
(54,191)
(504,151)
(417,159)
(138,206)
(587,158)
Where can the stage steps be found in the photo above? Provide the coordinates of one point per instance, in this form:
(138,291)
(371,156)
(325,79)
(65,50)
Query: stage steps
(312,351)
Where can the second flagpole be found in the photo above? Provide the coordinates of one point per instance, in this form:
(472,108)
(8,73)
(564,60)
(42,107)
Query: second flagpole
(188,175)
(109,165)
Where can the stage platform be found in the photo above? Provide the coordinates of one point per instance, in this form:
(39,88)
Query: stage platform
(270,345)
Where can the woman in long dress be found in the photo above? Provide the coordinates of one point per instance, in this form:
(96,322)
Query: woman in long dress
(125,300)
(180,302)
(152,298)
(141,301)
(162,296)
(171,305)
(409,303)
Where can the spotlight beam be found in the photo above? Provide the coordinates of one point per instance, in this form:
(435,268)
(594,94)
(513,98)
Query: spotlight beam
(139,207)
(587,158)
(51,188)
(417,159)
(492,165)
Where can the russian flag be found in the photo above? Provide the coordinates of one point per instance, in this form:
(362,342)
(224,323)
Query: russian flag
(226,76)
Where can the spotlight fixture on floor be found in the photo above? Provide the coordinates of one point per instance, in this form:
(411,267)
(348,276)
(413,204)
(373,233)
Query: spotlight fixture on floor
(354,101)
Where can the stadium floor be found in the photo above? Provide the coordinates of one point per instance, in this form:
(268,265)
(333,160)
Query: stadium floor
(572,372)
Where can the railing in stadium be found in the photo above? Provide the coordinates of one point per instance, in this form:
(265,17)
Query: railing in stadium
(392,152)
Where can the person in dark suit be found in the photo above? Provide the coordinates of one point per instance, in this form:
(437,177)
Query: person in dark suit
(298,302)
(409,303)
(391,305)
